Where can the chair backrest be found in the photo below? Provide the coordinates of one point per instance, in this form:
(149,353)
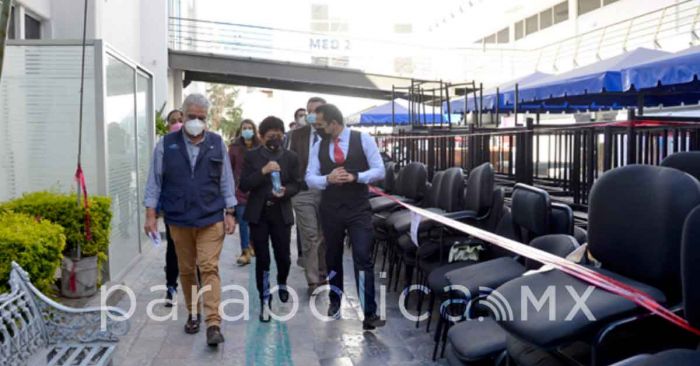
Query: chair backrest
(687,161)
(389,177)
(531,212)
(561,219)
(497,209)
(690,257)
(452,190)
(635,223)
(21,322)
(433,194)
(479,190)
(412,181)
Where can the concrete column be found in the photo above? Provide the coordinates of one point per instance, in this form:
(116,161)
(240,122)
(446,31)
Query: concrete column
(175,81)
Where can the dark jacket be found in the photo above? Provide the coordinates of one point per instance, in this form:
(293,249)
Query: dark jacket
(192,199)
(236,153)
(299,143)
(259,186)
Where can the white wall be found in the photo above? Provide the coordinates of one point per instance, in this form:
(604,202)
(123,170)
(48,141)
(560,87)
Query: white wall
(154,45)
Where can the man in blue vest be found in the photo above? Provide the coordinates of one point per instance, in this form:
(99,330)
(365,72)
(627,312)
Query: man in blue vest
(342,164)
(191,177)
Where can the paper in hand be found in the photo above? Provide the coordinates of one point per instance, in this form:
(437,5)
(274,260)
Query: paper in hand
(415,222)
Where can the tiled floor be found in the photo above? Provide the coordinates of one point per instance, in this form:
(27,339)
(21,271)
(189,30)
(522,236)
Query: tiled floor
(303,340)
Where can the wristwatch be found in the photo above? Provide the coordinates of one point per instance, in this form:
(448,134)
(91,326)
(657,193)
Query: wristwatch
(230,211)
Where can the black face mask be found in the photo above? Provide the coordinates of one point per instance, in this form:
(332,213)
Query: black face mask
(273,145)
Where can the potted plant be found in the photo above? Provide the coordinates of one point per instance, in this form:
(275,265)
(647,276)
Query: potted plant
(83,255)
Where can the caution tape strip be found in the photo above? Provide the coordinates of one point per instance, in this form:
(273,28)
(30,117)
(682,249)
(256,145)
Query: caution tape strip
(576,270)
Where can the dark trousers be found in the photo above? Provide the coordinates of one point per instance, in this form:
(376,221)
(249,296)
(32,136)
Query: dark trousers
(358,223)
(271,228)
(171,269)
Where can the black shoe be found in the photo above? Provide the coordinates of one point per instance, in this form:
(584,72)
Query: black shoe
(214,336)
(372,321)
(192,324)
(284,295)
(265,311)
(170,296)
(334,310)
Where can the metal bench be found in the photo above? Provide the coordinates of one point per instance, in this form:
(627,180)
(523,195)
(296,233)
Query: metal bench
(35,330)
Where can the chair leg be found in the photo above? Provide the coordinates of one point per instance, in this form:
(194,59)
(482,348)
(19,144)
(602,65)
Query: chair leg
(421,296)
(431,305)
(384,255)
(398,272)
(436,338)
(447,327)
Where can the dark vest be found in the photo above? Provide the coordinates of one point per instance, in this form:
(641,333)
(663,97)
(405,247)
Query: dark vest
(192,199)
(349,194)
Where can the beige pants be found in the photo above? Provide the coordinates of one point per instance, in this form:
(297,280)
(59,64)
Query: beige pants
(306,206)
(200,247)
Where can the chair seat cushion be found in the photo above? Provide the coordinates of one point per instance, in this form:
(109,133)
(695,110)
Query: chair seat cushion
(383,203)
(675,357)
(490,274)
(475,340)
(554,289)
(401,221)
(437,280)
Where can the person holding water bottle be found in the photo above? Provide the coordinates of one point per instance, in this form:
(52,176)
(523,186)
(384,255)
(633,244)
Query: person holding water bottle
(270,178)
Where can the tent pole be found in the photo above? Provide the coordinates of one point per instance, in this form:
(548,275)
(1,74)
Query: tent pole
(393,111)
(481,104)
(498,104)
(515,105)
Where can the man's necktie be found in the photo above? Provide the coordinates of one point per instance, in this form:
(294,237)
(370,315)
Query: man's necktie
(338,153)
(315,137)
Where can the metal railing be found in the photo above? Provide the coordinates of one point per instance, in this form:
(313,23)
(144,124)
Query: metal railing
(563,159)
(670,28)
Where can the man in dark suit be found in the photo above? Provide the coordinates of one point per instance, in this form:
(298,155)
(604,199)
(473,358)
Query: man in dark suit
(269,211)
(307,202)
(342,165)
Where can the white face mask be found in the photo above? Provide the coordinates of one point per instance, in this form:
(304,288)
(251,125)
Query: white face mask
(194,127)
(301,121)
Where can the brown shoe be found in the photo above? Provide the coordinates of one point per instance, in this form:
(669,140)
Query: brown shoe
(192,324)
(244,259)
(251,251)
(214,336)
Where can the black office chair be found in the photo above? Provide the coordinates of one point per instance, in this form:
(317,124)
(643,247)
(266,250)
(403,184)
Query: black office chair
(636,216)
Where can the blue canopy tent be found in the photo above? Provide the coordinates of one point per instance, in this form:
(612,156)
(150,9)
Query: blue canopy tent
(490,96)
(382,115)
(601,77)
(674,69)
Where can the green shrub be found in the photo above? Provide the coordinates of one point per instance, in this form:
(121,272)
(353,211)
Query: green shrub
(37,245)
(63,209)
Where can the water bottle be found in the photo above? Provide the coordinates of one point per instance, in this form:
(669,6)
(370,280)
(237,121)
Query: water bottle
(276,182)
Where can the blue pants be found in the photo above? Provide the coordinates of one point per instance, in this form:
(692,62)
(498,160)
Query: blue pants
(243,228)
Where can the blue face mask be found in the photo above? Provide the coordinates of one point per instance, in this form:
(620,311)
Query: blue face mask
(247,134)
(311,118)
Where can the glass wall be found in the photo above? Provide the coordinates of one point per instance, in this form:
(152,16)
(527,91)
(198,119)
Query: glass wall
(120,121)
(39,106)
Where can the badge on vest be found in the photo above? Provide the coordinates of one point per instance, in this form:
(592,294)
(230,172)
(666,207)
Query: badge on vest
(173,147)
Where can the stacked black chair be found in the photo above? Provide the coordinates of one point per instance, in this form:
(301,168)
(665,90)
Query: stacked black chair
(690,257)
(532,219)
(636,216)
(445,196)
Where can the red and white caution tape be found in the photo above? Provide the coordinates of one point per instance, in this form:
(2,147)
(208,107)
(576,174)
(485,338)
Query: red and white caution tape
(576,270)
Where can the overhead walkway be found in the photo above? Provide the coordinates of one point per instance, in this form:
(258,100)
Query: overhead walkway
(250,71)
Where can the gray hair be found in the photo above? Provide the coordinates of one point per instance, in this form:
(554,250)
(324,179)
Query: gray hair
(195,99)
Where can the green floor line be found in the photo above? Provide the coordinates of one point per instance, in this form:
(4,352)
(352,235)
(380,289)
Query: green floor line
(266,343)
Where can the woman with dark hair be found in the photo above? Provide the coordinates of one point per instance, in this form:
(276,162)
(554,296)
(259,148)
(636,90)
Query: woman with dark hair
(246,139)
(271,177)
